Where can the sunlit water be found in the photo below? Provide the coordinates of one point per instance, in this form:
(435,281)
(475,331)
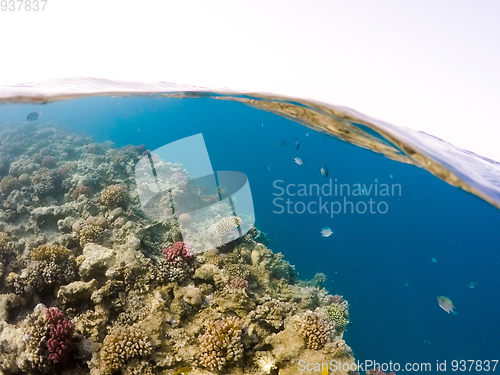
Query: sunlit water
(424,237)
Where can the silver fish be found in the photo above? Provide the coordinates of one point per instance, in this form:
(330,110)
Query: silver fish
(297,144)
(447,305)
(326,232)
(298,160)
(324,171)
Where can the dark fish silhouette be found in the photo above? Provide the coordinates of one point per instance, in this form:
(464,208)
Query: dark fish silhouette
(33,116)
(296,142)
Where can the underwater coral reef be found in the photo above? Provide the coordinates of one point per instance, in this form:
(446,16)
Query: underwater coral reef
(91,284)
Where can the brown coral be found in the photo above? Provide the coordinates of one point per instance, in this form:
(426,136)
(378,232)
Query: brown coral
(221,344)
(123,343)
(115,195)
(315,329)
(90,234)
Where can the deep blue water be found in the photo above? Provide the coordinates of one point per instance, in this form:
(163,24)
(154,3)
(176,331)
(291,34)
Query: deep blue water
(381,263)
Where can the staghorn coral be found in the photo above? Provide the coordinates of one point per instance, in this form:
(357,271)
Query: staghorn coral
(315,328)
(122,344)
(90,234)
(114,195)
(221,343)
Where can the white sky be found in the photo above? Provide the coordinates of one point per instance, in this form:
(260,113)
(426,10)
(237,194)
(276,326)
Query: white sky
(424,64)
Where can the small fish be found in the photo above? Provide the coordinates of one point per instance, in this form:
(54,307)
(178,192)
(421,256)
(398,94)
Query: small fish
(33,116)
(268,168)
(324,171)
(433,260)
(297,143)
(283,144)
(472,284)
(326,232)
(298,160)
(446,304)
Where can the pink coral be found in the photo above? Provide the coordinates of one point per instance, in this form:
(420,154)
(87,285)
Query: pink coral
(60,335)
(238,283)
(178,252)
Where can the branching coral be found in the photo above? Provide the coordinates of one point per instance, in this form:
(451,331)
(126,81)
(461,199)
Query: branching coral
(79,190)
(273,313)
(54,253)
(175,266)
(90,234)
(123,343)
(221,344)
(238,283)
(60,335)
(179,252)
(337,314)
(315,329)
(114,195)
(225,228)
(45,181)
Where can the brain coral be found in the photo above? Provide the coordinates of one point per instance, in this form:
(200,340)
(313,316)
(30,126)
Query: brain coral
(114,195)
(221,344)
(123,343)
(315,329)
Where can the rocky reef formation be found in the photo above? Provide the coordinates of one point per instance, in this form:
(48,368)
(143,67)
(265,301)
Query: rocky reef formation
(91,284)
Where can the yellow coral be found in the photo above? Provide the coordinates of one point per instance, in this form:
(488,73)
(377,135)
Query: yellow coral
(123,343)
(221,343)
(54,253)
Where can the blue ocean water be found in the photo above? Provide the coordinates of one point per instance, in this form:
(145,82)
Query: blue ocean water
(433,239)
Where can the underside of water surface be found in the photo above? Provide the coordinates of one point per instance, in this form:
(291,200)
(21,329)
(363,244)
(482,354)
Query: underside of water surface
(161,229)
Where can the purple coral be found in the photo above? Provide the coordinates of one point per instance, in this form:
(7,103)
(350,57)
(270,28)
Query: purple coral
(178,252)
(60,335)
(81,189)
